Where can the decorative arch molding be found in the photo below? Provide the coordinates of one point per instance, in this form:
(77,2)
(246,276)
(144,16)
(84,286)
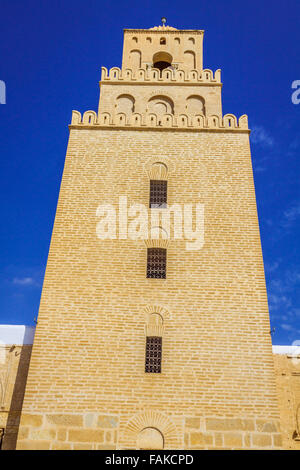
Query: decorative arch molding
(213,121)
(183,120)
(157,243)
(89,117)
(135,57)
(195,104)
(207,75)
(162,159)
(159,233)
(243,121)
(160,104)
(121,119)
(104,119)
(199,120)
(159,309)
(76,117)
(125,103)
(155,319)
(136,119)
(155,325)
(159,92)
(151,419)
(229,120)
(190,59)
(158,171)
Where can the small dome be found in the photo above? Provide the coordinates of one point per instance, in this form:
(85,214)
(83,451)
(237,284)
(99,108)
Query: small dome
(163,28)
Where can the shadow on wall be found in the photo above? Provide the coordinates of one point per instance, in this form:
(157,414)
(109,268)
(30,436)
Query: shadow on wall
(13,421)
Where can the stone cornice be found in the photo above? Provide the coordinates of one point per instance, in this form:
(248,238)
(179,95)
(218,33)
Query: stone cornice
(123,82)
(144,128)
(165,31)
(149,74)
(228,122)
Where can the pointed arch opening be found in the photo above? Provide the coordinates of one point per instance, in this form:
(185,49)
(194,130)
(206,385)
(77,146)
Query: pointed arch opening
(195,104)
(125,104)
(135,57)
(190,60)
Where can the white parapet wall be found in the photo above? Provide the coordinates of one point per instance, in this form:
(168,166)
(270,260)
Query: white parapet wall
(289,350)
(16,334)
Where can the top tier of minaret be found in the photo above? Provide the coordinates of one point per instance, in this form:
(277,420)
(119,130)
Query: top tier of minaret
(161,83)
(163,47)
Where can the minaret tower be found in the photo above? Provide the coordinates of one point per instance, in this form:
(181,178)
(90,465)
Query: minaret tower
(158,341)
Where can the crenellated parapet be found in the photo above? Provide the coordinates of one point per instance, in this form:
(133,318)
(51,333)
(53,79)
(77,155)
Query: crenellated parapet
(182,121)
(168,75)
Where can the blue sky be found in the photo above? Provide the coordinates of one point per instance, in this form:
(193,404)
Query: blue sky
(51,54)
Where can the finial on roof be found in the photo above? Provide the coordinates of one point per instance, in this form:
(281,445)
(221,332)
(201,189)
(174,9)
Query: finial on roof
(164,20)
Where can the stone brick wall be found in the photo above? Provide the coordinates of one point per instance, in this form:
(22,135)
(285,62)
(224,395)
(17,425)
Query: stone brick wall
(100,431)
(89,350)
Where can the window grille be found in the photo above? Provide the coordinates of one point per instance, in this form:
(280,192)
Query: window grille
(156,263)
(158,193)
(153,354)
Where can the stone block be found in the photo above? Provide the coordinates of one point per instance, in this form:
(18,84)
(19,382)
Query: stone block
(61,446)
(65,419)
(261,440)
(61,434)
(107,421)
(277,440)
(86,435)
(47,434)
(233,440)
(78,446)
(33,445)
(193,423)
(31,420)
(200,438)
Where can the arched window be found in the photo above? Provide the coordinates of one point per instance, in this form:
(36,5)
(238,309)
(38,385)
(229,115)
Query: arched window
(150,439)
(135,59)
(125,104)
(190,59)
(195,104)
